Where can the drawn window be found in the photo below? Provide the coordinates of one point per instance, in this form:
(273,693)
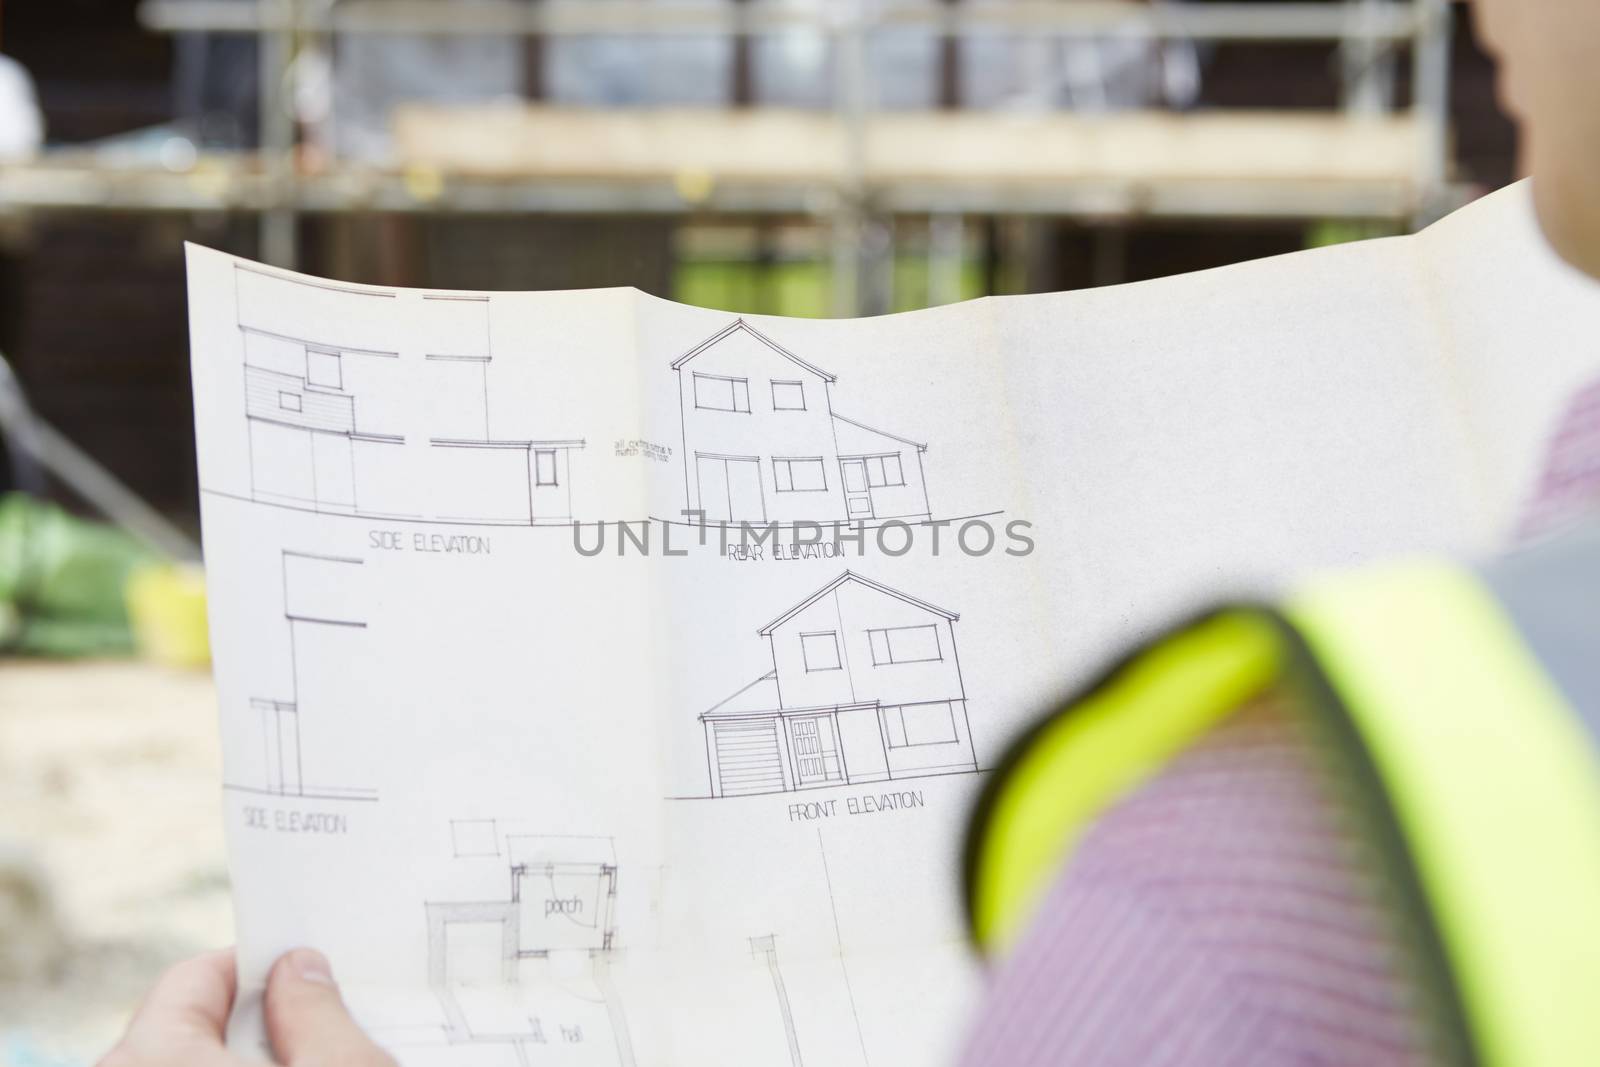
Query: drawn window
(909,725)
(820,651)
(884,470)
(799,475)
(322,369)
(544,467)
(788,396)
(721,394)
(904,644)
(289,401)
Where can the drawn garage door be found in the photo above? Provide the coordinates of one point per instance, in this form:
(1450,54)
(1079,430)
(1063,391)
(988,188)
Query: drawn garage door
(747,758)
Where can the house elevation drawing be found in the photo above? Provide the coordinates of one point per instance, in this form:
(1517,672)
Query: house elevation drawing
(528,972)
(306,739)
(346,415)
(762,442)
(865,686)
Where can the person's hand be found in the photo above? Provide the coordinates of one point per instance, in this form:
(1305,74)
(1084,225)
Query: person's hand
(182,1020)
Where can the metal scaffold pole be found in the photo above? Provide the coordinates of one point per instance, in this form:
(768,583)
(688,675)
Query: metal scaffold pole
(1431,98)
(850,216)
(947,240)
(277,35)
(1367,160)
(1368,60)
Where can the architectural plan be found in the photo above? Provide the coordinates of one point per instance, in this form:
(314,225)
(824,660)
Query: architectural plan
(865,686)
(320,615)
(335,423)
(606,682)
(794,457)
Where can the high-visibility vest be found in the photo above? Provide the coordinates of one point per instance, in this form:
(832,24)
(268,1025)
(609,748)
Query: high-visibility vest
(1468,705)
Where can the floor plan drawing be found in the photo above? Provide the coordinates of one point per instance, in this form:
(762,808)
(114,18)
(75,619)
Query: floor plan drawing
(865,686)
(349,418)
(528,972)
(301,732)
(762,442)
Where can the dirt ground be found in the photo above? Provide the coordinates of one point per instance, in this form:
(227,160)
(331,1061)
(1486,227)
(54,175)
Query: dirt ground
(109,787)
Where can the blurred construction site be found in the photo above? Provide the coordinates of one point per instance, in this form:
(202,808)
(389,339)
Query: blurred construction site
(798,157)
(789,157)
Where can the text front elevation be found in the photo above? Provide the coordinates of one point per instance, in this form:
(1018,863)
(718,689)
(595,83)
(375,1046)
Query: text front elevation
(865,686)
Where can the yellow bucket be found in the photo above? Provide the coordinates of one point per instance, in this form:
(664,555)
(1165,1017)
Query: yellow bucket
(167,610)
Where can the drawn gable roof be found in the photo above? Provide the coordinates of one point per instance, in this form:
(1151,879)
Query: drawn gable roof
(737,326)
(851,576)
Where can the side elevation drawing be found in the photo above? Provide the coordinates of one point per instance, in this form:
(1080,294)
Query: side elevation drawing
(528,971)
(865,686)
(305,737)
(348,416)
(762,442)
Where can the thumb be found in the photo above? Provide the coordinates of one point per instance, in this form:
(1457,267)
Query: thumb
(307,1021)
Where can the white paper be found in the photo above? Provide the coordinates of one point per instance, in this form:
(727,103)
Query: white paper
(702,806)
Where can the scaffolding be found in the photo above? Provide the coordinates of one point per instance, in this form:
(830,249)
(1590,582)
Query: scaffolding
(1368,160)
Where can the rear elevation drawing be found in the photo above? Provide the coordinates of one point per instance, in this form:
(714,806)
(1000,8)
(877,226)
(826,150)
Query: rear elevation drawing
(865,686)
(528,972)
(303,742)
(762,443)
(348,415)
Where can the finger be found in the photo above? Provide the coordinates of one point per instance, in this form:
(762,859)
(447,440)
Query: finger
(191,999)
(307,1021)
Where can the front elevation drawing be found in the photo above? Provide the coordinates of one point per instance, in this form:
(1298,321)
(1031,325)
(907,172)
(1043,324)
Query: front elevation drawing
(865,686)
(762,443)
(347,415)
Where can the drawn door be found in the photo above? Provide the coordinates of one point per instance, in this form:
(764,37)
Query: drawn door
(746,502)
(335,472)
(730,488)
(857,496)
(816,751)
(280,728)
(748,758)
